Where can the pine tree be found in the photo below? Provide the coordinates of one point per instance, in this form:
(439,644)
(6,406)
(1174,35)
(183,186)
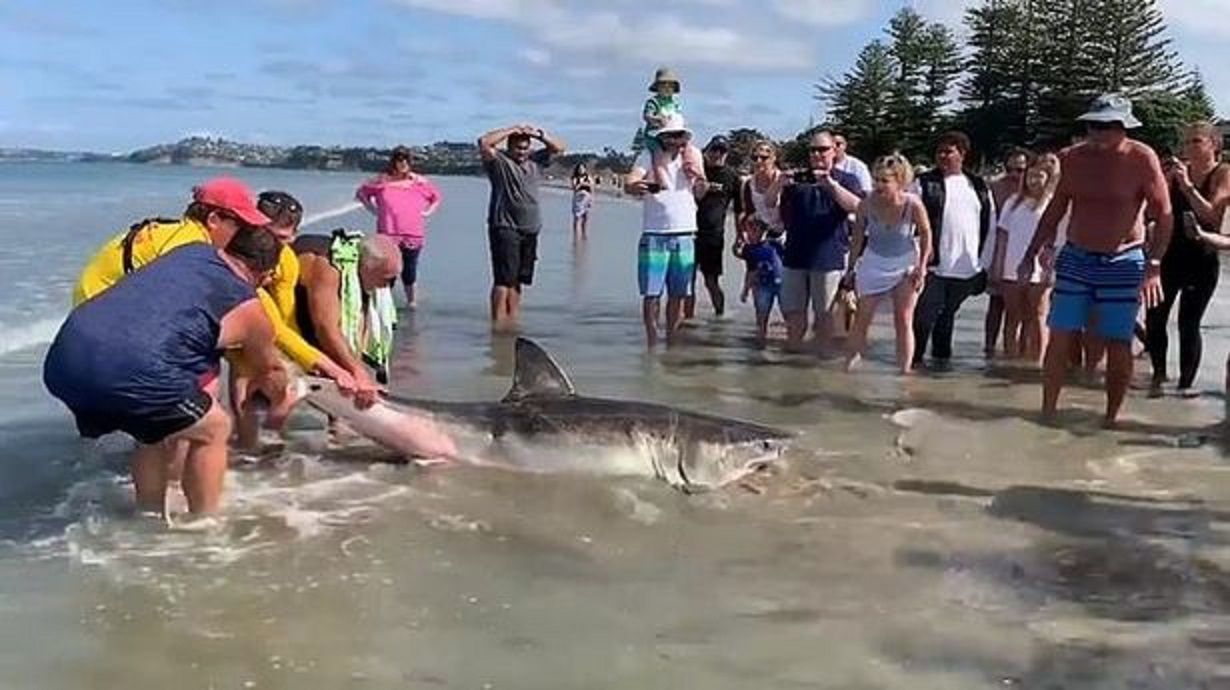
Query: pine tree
(928,60)
(862,103)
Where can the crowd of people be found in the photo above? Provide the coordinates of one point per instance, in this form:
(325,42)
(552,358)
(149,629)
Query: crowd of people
(1068,245)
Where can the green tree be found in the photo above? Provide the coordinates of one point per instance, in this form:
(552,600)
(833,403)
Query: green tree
(861,104)
(927,60)
(741,142)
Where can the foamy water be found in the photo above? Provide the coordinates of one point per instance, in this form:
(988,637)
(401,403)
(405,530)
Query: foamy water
(922,533)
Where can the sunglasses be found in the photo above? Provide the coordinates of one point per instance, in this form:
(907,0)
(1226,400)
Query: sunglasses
(761,157)
(1017,170)
(1102,126)
(820,149)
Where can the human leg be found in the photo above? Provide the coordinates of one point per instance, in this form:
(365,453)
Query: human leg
(650,308)
(1119,362)
(205,465)
(823,287)
(856,342)
(905,300)
(927,311)
(651,267)
(680,278)
(1055,370)
(993,323)
(795,293)
(505,266)
(1192,306)
(1157,320)
(956,291)
(1036,299)
(409,272)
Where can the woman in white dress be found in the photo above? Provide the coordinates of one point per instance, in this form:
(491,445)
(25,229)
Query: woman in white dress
(893,227)
(1025,296)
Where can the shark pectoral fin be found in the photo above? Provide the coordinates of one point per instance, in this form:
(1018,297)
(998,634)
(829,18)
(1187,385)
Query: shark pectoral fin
(535,374)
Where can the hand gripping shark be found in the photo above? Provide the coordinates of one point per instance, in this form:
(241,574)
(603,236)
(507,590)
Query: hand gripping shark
(543,425)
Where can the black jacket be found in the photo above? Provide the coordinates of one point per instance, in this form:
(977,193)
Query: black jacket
(931,184)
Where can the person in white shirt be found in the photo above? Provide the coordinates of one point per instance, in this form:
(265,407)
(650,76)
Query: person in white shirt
(844,162)
(1025,296)
(666,257)
(962,213)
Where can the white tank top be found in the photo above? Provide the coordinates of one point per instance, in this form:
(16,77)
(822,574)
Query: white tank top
(770,216)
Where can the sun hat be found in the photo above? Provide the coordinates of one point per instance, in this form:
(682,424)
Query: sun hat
(229,194)
(673,123)
(664,74)
(1111,107)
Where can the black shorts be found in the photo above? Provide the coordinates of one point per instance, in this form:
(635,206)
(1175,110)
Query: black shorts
(709,253)
(410,264)
(148,427)
(513,254)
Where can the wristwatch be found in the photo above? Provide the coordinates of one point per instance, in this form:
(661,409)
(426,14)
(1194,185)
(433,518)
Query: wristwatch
(1155,263)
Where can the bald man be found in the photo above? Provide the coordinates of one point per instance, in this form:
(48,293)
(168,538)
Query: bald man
(331,267)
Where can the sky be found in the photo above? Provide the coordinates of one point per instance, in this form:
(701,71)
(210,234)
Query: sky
(115,75)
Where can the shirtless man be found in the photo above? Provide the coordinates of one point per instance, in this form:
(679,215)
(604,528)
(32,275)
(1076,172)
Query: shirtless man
(1105,269)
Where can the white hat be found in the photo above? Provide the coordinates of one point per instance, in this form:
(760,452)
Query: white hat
(673,123)
(1111,107)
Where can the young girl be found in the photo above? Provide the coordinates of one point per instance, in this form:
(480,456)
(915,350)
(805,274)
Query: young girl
(582,200)
(658,109)
(763,280)
(401,200)
(893,226)
(1025,296)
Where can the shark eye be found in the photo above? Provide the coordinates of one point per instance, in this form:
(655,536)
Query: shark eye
(766,445)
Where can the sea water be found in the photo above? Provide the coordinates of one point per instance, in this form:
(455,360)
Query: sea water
(921,533)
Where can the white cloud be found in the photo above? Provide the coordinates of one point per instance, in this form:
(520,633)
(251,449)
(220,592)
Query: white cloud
(824,12)
(713,33)
(1205,17)
(536,56)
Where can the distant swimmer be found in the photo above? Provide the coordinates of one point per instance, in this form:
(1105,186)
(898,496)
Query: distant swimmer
(218,209)
(143,358)
(402,201)
(513,216)
(336,305)
(1106,267)
(278,298)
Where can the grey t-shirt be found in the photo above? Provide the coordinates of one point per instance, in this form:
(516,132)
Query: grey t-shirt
(514,191)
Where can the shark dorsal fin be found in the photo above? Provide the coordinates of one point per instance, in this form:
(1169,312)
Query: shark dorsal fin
(536,375)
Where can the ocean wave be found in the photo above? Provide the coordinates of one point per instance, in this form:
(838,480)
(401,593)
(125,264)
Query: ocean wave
(15,337)
(321,217)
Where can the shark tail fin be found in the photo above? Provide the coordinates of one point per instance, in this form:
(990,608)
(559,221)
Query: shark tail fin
(536,375)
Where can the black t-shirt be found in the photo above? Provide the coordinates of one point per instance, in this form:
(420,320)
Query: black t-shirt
(712,207)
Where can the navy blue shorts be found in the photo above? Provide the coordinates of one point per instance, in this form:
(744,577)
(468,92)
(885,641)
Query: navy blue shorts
(148,426)
(410,264)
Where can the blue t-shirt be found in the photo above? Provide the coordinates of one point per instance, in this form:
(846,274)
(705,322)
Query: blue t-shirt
(145,344)
(817,227)
(765,258)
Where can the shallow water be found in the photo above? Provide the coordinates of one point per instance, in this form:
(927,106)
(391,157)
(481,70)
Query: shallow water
(921,533)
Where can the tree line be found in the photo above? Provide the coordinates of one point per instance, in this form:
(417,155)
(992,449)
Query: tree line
(1027,69)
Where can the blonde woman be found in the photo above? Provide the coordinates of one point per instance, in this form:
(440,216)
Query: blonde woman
(762,192)
(1025,296)
(893,227)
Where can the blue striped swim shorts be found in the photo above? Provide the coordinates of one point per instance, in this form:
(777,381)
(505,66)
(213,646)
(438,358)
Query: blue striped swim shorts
(1097,291)
(666,263)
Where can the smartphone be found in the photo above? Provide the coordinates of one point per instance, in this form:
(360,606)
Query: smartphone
(805,177)
(653,187)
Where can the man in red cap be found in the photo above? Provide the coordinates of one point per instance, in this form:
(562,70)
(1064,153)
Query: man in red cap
(219,208)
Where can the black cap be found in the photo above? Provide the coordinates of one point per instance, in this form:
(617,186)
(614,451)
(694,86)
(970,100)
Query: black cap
(718,142)
(280,206)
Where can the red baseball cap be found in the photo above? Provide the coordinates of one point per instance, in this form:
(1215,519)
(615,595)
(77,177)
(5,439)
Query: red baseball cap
(230,194)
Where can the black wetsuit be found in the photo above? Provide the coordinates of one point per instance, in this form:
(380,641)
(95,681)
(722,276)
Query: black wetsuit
(1189,275)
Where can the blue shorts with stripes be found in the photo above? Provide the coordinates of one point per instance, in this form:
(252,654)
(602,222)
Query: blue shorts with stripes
(1098,292)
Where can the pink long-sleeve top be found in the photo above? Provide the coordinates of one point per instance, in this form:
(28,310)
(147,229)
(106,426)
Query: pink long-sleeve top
(399,207)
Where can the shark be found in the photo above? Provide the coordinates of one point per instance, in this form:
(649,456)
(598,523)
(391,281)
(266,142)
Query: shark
(543,425)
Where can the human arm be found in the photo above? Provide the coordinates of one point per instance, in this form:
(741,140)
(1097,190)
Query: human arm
(324,305)
(1048,226)
(555,145)
(433,198)
(366,195)
(858,235)
(922,224)
(846,199)
(1219,191)
(488,143)
(247,327)
(1157,207)
(634,182)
